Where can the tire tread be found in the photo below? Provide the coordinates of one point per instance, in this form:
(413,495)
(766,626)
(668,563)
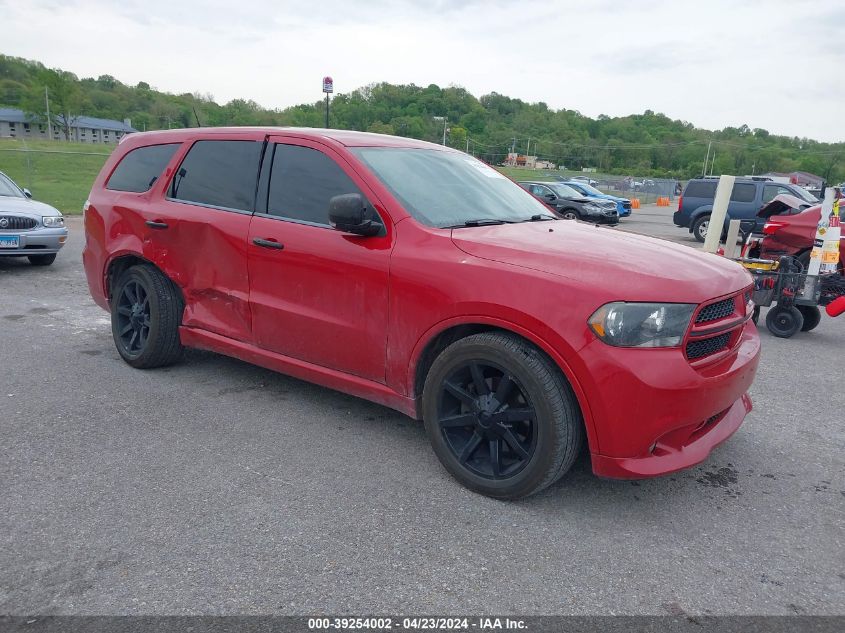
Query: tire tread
(166,347)
(569,428)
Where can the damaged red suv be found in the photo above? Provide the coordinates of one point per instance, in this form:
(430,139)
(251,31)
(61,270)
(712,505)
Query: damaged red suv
(417,277)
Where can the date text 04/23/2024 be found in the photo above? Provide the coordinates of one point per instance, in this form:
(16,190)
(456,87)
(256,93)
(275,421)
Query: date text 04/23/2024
(415,624)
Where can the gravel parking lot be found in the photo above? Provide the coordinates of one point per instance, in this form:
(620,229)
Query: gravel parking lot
(217,487)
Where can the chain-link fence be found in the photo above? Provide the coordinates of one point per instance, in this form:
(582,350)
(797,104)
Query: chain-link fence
(647,190)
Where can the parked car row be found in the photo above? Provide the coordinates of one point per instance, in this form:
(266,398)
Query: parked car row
(576,199)
(571,204)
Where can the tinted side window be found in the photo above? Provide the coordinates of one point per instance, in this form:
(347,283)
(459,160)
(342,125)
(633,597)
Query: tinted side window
(771,191)
(700,189)
(141,167)
(219,173)
(302,181)
(743,192)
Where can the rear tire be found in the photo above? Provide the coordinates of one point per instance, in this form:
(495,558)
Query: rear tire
(500,416)
(700,227)
(812,317)
(784,322)
(146,311)
(41,260)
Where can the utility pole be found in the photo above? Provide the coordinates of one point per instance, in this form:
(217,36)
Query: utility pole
(528,147)
(713,162)
(706,158)
(49,123)
(467,145)
(444,129)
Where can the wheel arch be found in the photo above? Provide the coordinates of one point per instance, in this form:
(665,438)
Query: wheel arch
(119,264)
(439,337)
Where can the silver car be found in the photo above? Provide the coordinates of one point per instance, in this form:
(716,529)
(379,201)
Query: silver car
(28,228)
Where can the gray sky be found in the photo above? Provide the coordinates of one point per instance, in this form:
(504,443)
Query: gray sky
(776,65)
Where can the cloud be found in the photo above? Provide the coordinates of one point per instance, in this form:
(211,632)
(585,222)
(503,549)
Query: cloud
(718,64)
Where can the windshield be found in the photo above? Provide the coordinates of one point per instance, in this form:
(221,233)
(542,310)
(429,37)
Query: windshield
(8,188)
(589,190)
(806,195)
(565,191)
(445,189)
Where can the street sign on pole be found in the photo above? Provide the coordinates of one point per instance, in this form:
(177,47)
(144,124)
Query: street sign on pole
(328,87)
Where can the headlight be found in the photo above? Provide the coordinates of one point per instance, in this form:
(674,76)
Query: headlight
(53,221)
(592,207)
(642,324)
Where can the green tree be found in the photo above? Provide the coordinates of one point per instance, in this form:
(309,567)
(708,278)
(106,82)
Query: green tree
(61,89)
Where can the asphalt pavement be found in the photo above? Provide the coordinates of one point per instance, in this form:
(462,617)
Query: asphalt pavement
(215,487)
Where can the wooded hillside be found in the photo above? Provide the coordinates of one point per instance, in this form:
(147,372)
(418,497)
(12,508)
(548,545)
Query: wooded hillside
(648,144)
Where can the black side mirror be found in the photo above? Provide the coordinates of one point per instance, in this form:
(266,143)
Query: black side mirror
(349,214)
(550,197)
(27,193)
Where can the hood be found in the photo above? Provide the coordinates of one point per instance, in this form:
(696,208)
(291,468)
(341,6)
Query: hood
(628,267)
(25,206)
(784,203)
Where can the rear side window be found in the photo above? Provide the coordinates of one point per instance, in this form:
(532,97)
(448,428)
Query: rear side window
(743,192)
(141,167)
(302,182)
(219,174)
(700,189)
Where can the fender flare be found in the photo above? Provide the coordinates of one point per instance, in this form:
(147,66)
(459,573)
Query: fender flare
(559,360)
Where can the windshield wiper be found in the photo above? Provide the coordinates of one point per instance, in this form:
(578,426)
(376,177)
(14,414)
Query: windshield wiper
(539,218)
(479,222)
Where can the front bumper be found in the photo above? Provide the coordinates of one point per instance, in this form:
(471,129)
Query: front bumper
(690,447)
(654,413)
(600,217)
(38,241)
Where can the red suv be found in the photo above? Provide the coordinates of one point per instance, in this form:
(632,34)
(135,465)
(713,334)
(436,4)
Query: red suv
(420,278)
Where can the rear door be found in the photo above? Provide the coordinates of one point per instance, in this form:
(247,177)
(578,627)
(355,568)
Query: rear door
(317,294)
(745,201)
(202,224)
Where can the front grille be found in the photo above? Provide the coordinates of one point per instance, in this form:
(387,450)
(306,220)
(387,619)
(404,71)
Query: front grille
(716,311)
(626,205)
(705,347)
(16,223)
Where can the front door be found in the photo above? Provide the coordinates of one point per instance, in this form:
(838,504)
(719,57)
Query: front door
(316,294)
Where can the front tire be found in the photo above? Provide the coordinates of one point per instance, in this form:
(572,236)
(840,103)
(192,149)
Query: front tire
(145,317)
(41,260)
(500,416)
(570,214)
(700,227)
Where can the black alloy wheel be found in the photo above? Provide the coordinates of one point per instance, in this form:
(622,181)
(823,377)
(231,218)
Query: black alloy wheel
(487,420)
(500,415)
(133,317)
(146,310)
